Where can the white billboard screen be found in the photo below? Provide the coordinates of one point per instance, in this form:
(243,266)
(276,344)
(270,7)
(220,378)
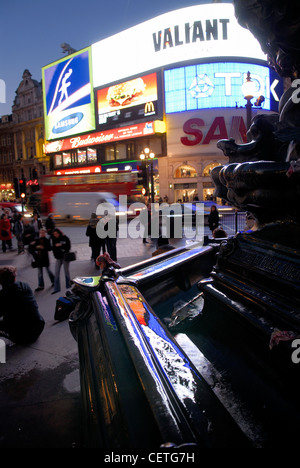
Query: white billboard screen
(196,32)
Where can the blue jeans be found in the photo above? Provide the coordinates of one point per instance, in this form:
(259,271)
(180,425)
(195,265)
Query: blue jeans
(58,265)
(41,276)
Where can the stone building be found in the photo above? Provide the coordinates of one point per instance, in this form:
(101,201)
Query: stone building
(22,137)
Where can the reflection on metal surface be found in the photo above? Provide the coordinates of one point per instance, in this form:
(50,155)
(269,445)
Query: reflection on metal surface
(185,313)
(89,281)
(169,263)
(107,315)
(137,338)
(172,361)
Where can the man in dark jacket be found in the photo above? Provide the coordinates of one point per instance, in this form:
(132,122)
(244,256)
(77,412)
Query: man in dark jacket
(21,321)
(61,245)
(41,248)
(19,231)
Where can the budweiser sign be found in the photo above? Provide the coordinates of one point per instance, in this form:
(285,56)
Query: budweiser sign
(134,131)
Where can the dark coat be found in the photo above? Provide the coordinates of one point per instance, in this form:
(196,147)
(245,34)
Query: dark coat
(41,248)
(28,234)
(213,220)
(94,239)
(19,229)
(21,318)
(49,225)
(59,251)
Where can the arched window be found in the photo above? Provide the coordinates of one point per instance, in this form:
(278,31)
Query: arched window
(185,171)
(207,170)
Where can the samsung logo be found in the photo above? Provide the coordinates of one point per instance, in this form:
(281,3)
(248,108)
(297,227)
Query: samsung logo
(67,123)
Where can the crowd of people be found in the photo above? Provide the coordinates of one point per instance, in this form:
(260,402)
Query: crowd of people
(20,320)
(25,325)
(38,240)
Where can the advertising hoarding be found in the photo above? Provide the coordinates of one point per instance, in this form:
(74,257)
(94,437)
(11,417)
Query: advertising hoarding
(213,85)
(106,136)
(200,31)
(68,96)
(196,133)
(131,100)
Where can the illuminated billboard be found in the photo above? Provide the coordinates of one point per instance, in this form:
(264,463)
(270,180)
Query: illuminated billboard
(68,96)
(207,31)
(211,85)
(105,136)
(131,100)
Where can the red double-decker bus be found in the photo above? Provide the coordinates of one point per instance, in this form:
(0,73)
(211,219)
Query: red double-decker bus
(118,183)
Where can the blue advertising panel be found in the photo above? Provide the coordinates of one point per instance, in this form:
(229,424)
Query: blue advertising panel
(68,96)
(210,85)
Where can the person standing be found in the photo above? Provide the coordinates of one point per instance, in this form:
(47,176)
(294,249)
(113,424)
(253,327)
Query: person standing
(61,245)
(42,247)
(111,240)
(37,225)
(50,224)
(95,242)
(19,231)
(29,236)
(213,218)
(5,232)
(21,321)
(111,227)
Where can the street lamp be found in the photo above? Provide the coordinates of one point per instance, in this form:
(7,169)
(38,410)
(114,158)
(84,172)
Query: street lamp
(148,156)
(248,90)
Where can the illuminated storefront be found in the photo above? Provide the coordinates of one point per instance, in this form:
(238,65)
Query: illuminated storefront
(176,87)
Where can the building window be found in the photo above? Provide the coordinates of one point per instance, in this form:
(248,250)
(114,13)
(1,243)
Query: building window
(58,160)
(121,151)
(81,156)
(91,155)
(66,159)
(207,170)
(185,171)
(109,153)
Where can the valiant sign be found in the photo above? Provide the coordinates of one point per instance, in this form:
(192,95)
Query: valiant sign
(196,32)
(210,30)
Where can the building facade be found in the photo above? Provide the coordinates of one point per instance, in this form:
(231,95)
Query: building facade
(22,141)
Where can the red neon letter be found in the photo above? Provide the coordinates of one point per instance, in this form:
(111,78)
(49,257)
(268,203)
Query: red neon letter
(219,122)
(189,128)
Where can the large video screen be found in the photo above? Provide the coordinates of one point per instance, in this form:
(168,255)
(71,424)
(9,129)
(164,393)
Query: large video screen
(210,85)
(208,31)
(68,96)
(129,101)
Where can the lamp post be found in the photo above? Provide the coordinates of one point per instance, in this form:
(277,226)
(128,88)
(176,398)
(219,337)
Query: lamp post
(147,155)
(248,90)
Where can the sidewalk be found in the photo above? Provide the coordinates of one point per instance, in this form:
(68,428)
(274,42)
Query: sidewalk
(40,403)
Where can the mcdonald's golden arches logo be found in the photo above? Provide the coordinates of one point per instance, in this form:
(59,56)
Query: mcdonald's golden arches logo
(149,108)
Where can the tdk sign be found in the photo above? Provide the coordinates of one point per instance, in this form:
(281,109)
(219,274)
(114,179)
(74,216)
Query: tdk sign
(67,123)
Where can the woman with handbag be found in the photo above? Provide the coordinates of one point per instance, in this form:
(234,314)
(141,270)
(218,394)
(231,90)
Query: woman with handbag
(41,248)
(61,245)
(5,232)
